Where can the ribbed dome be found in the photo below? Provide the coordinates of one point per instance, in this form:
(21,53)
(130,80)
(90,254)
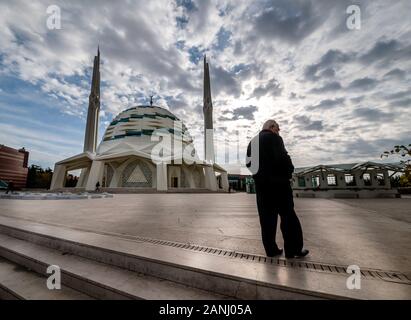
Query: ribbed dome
(141,120)
(133,128)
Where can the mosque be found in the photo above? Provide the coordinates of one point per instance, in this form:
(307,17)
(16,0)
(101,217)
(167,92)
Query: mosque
(145,147)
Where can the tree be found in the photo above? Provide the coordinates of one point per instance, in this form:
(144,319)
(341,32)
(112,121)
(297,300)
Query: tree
(405,153)
(395,181)
(37,177)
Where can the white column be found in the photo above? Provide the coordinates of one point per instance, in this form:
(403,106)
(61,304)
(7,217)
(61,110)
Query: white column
(59,175)
(96,174)
(162,176)
(202,177)
(374,180)
(83,177)
(118,171)
(189,177)
(387,181)
(224,181)
(359,181)
(294,181)
(210,179)
(340,177)
(115,180)
(308,183)
(323,180)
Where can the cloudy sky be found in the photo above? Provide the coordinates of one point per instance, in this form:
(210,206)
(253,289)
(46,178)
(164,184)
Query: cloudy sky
(339,95)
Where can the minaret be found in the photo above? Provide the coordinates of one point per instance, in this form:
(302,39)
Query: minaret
(208,115)
(90,138)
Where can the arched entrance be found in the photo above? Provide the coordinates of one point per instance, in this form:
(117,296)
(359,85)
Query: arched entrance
(137,174)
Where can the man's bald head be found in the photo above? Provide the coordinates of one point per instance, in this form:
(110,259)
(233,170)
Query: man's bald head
(271,125)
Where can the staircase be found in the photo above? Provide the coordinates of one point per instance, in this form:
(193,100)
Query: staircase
(114,266)
(24,258)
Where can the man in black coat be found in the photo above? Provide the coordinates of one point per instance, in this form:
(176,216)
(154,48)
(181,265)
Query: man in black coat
(10,187)
(272,169)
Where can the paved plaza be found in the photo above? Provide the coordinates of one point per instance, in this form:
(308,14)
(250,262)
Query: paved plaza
(371,233)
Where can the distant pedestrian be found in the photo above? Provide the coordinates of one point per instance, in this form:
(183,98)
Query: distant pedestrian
(98,186)
(274,192)
(10,187)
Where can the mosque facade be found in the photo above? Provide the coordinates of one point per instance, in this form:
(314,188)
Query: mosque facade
(145,147)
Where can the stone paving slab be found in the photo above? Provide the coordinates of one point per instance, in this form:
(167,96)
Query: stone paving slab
(371,233)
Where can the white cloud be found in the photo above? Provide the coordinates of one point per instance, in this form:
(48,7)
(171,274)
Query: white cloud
(271,39)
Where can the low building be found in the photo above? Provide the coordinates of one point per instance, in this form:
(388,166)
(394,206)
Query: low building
(354,180)
(13,166)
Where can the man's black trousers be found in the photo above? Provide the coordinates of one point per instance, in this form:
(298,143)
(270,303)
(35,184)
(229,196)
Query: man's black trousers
(275,199)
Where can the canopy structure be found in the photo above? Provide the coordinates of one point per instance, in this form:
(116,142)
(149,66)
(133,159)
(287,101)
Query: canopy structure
(344,180)
(347,168)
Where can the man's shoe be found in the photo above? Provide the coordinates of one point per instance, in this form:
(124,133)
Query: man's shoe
(300,254)
(277,252)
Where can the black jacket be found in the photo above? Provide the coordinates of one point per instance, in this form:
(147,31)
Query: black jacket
(275,164)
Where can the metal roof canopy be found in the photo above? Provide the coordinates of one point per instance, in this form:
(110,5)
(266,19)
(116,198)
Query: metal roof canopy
(347,168)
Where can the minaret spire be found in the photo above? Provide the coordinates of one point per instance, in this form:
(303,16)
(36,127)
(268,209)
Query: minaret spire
(208,104)
(208,115)
(90,138)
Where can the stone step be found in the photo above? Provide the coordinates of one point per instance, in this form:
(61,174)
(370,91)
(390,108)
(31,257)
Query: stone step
(220,274)
(192,269)
(95,279)
(136,190)
(19,283)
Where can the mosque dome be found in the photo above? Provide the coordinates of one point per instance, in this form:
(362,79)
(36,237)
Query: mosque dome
(132,130)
